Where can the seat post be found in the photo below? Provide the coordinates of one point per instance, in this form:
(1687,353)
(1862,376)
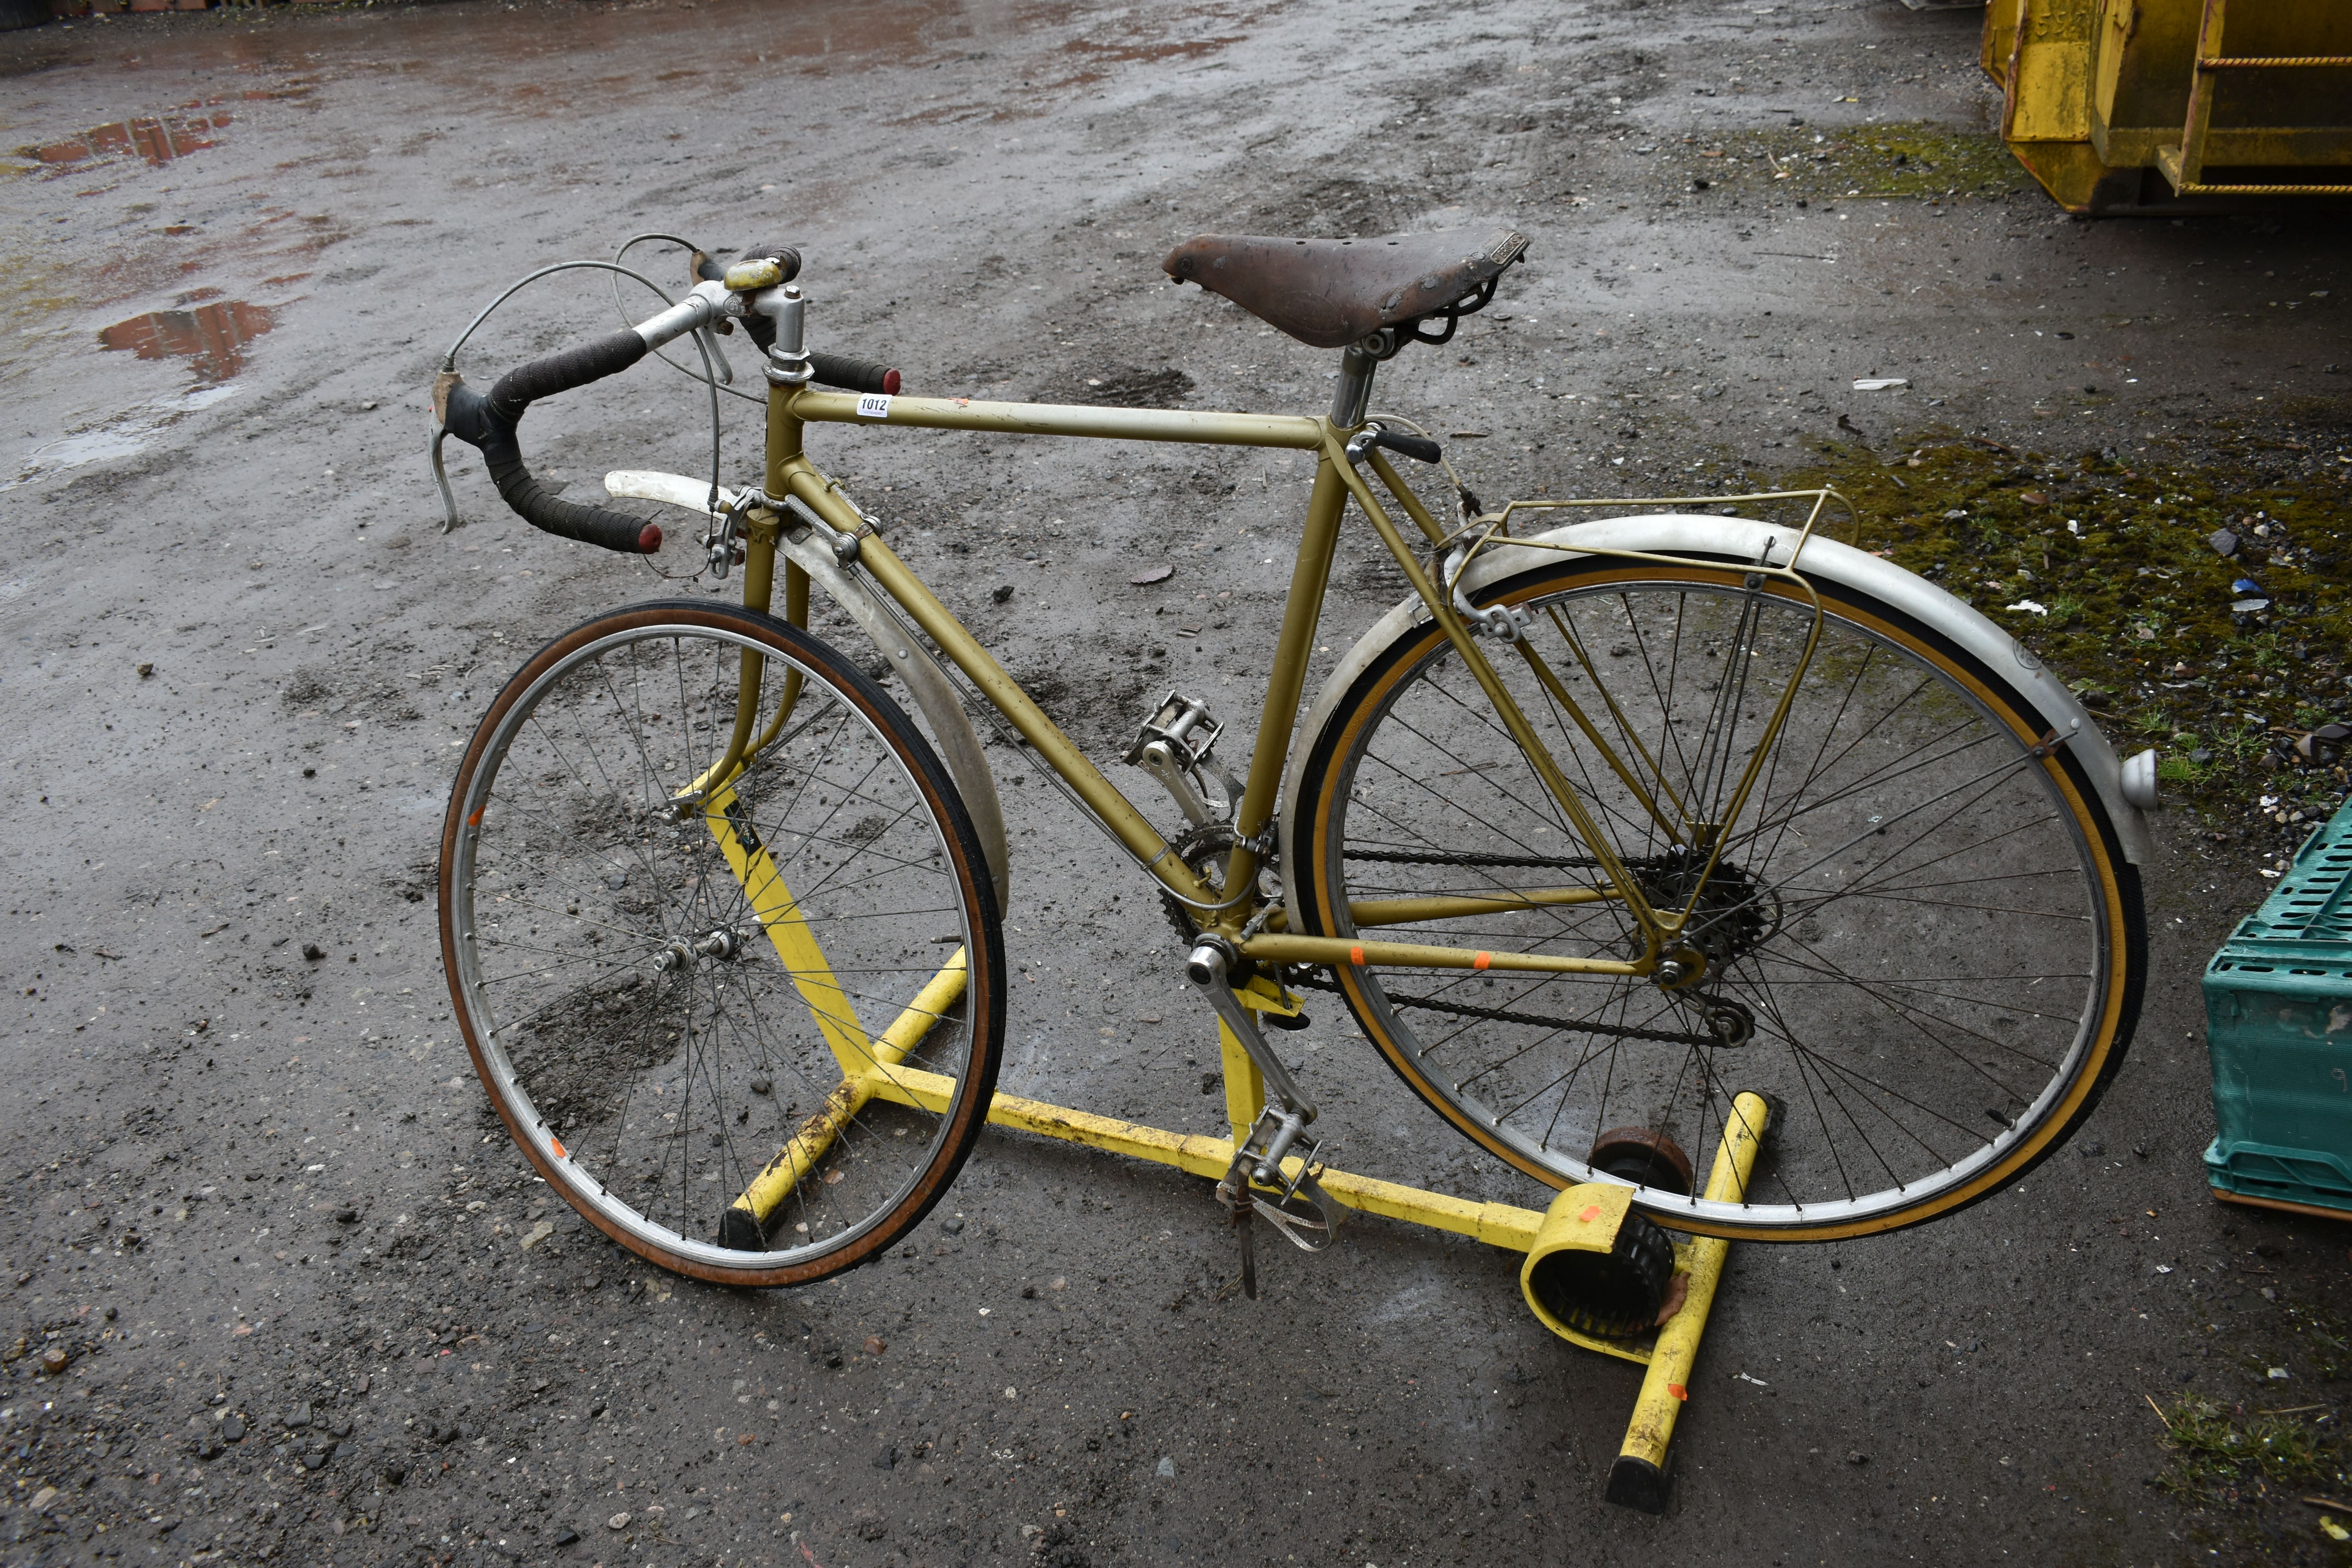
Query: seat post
(1354,396)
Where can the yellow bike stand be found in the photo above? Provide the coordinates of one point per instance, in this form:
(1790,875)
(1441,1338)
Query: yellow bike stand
(1584,1218)
(1571,1247)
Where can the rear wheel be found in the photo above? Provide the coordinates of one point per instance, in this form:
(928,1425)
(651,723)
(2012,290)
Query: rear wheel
(1922,939)
(751,1036)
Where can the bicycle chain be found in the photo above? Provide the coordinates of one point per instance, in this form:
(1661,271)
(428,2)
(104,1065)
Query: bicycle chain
(1318,979)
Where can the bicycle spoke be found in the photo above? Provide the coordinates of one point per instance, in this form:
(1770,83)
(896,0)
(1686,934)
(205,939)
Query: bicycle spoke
(629,987)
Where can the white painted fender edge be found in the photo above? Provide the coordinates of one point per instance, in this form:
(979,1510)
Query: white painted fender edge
(676,489)
(1744,539)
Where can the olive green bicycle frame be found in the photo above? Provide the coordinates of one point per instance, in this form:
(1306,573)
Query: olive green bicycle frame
(790,474)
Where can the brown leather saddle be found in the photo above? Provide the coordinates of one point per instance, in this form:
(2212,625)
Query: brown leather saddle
(1329,293)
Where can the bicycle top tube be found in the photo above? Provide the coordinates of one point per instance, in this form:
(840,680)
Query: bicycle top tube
(1297,431)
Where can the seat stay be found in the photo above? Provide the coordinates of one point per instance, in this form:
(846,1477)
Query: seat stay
(1656,927)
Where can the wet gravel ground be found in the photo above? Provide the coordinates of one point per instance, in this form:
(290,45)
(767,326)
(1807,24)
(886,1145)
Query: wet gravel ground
(275,1286)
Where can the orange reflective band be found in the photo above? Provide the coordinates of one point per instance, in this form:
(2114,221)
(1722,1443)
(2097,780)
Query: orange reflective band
(1483,961)
(559,1148)
(1356,956)
(1592,1213)
(1679,1391)
(476,820)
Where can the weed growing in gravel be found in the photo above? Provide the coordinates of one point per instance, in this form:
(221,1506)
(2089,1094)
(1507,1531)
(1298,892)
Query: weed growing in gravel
(2328,1344)
(1906,159)
(2105,571)
(2218,1452)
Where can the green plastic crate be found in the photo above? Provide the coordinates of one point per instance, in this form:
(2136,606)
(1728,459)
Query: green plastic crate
(2278,1024)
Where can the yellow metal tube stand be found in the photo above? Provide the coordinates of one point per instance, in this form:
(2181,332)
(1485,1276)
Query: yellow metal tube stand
(741,1225)
(1638,1479)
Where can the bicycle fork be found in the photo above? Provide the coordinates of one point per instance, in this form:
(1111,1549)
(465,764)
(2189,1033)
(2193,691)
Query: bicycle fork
(1275,1153)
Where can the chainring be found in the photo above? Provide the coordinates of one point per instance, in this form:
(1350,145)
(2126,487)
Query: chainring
(1203,847)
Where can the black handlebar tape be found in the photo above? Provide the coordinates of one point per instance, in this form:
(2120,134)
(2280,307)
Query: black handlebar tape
(1420,448)
(563,370)
(474,418)
(853,374)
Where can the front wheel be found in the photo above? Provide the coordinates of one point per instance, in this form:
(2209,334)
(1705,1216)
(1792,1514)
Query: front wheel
(748,1028)
(1921,939)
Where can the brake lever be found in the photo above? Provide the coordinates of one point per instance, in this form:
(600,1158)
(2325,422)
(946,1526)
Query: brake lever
(1420,448)
(441,386)
(710,339)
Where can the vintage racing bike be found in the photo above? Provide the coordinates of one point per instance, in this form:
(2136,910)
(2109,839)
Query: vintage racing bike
(1629,817)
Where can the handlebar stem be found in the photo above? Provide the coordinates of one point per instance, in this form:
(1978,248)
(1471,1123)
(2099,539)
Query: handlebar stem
(788,362)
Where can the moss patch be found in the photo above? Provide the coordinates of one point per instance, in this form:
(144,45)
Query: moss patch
(2215,1449)
(2218,1453)
(1933,162)
(2106,572)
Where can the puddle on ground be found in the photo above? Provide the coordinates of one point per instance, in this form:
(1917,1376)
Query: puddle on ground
(213,337)
(124,436)
(159,140)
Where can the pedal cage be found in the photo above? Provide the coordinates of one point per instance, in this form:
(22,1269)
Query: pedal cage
(1176,745)
(1307,1216)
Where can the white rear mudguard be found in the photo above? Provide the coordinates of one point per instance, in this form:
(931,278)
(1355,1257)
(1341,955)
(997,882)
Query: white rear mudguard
(1746,539)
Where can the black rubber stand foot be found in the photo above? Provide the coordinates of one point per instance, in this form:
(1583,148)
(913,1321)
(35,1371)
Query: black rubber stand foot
(1637,1483)
(740,1231)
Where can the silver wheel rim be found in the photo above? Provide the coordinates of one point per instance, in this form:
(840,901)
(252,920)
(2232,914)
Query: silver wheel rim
(2025,1115)
(480,819)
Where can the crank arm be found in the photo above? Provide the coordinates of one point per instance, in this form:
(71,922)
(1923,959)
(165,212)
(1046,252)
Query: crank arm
(1207,968)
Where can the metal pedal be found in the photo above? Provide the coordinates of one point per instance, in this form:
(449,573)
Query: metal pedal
(1174,746)
(1307,1216)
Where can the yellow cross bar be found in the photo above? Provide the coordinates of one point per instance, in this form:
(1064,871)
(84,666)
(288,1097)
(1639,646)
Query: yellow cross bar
(808,1144)
(731,824)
